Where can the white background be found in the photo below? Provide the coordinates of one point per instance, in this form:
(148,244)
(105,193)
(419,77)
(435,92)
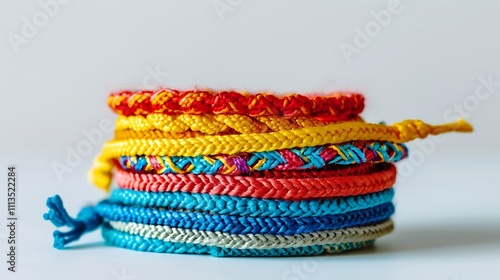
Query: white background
(424,63)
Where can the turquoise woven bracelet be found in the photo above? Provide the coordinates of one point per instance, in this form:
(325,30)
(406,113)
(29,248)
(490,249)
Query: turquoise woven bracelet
(253,207)
(135,242)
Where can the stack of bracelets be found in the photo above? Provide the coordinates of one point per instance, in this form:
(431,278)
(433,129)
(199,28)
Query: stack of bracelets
(232,174)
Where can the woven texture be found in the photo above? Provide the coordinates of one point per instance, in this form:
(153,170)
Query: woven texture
(243,224)
(336,105)
(294,186)
(217,124)
(253,207)
(139,243)
(233,174)
(256,241)
(289,159)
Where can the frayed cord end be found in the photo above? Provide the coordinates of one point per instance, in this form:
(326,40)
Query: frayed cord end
(87,220)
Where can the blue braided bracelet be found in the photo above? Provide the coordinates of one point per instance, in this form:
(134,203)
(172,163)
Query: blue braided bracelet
(90,218)
(244,206)
(243,225)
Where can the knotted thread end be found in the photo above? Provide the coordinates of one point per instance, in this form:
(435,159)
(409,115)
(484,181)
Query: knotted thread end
(86,221)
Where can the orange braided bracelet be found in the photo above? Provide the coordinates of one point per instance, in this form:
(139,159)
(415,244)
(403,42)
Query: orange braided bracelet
(336,106)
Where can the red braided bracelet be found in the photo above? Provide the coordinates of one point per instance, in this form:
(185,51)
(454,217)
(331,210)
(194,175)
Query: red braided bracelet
(336,106)
(320,186)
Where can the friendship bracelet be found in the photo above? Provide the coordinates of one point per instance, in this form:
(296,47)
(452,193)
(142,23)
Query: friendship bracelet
(255,241)
(230,174)
(216,124)
(294,188)
(290,159)
(408,130)
(311,136)
(91,217)
(252,207)
(168,101)
(243,224)
(135,242)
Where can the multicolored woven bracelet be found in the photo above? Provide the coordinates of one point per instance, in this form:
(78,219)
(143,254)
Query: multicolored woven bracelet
(230,174)
(288,159)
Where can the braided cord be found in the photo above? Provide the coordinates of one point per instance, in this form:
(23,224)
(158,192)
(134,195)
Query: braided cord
(255,241)
(216,124)
(408,130)
(252,207)
(295,188)
(311,136)
(243,224)
(288,159)
(156,134)
(232,174)
(167,101)
(139,243)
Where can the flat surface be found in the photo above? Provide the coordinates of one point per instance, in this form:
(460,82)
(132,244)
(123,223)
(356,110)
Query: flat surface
(447,227)
(434,60)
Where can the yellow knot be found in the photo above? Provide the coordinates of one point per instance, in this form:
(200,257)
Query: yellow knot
(101,173)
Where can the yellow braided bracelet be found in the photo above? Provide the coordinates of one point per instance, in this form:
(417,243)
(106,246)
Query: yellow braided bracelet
(408,130)
(216,124)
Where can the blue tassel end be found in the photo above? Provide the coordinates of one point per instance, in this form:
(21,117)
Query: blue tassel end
(86,221)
